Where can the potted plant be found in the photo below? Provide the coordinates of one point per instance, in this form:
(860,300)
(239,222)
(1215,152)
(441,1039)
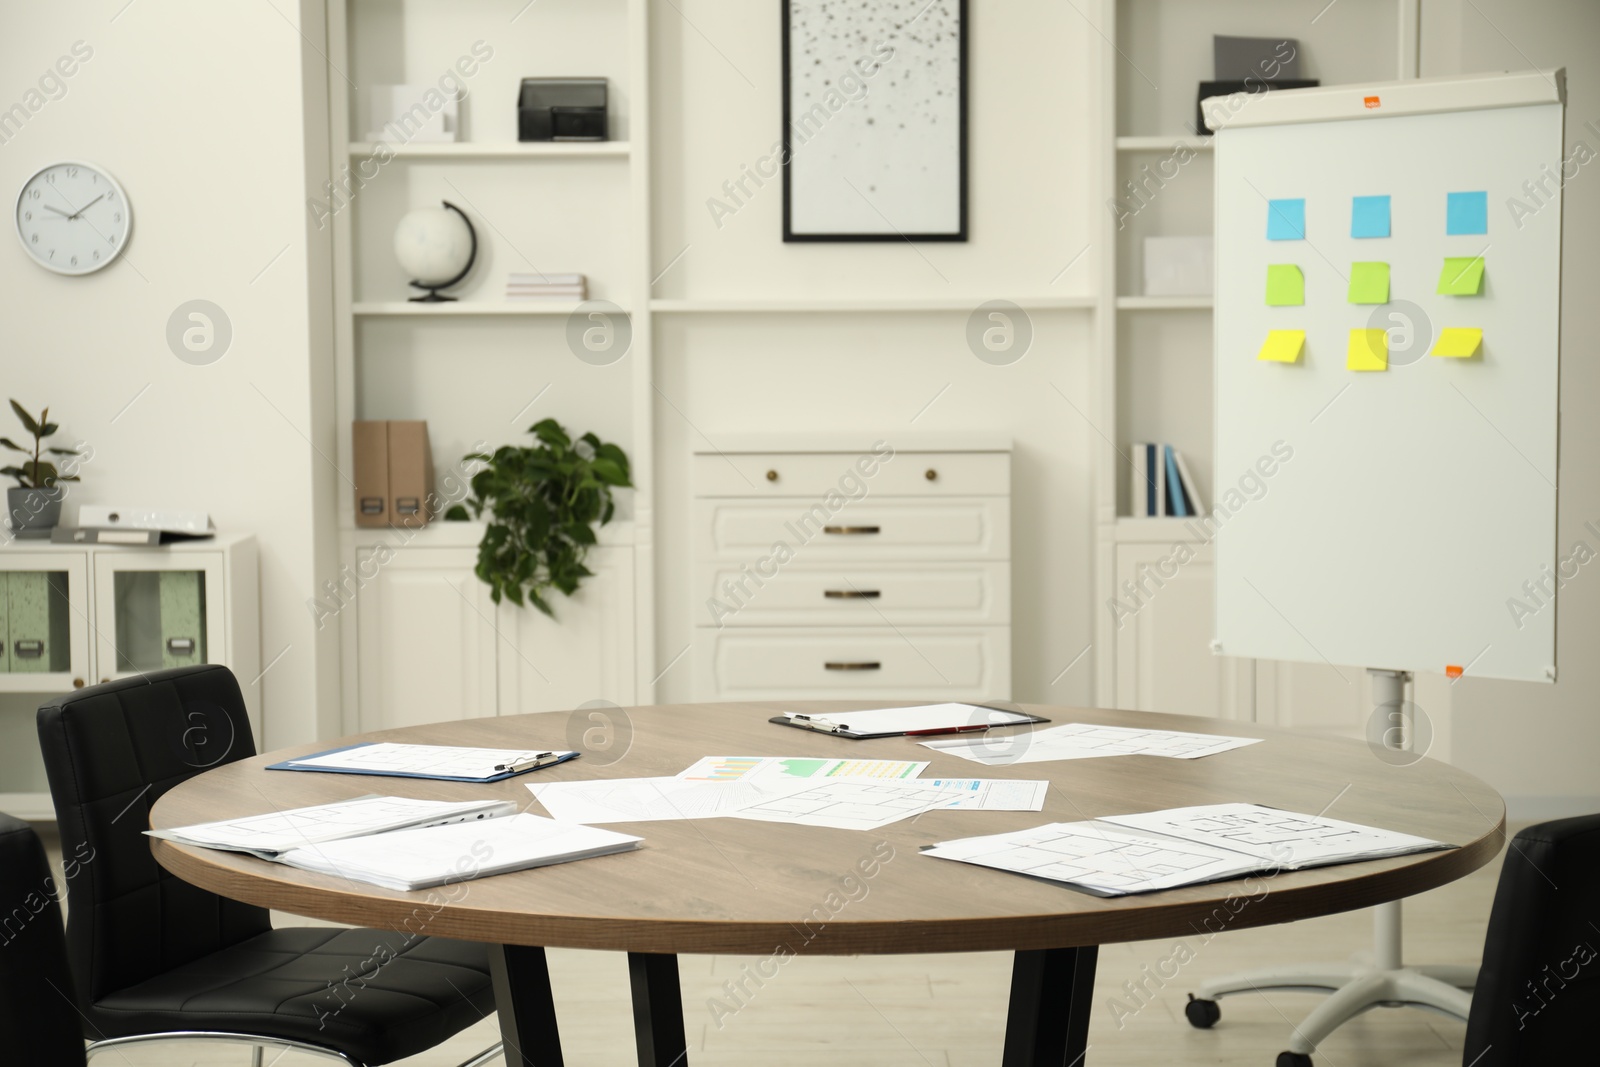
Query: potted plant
(546,500)
(35,501)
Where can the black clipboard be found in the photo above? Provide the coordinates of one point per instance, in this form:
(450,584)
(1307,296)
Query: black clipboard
(838,726)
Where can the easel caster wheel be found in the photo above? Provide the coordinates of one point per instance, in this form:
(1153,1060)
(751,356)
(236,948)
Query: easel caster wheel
(1202,1014)
(1293,1059)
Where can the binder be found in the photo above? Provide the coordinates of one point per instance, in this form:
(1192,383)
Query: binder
(32,637)
(5,628)
(183,618)
(1180,505)
(371,449)
(410,473)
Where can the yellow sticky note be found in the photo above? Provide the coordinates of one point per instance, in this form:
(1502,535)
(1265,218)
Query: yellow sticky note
(1369,350)
(1286,286)
(1283,346)
(1457,341)
(1462,276)
(1369,283)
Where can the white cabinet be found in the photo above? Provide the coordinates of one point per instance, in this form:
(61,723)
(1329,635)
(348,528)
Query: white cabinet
(852,570)
(430,645)
(74,615)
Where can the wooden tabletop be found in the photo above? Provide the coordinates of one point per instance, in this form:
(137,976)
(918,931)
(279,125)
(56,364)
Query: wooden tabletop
(736,886)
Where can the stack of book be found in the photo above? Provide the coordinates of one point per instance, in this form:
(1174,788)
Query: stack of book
(538,286)
(1161,483)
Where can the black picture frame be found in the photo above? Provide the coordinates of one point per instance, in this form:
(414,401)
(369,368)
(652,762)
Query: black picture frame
(963,67)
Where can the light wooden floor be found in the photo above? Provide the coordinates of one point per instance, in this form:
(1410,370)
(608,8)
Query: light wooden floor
(949,1011)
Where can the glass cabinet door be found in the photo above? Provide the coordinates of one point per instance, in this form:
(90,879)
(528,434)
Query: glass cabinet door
(156,611)
(43,622)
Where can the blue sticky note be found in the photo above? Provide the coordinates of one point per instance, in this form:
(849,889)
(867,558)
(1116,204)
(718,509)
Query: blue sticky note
(1466,213)
(1369,216)
(1286,220)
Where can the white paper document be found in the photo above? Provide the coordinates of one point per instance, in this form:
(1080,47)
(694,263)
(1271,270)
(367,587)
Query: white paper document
(434,761)
(849,803)
(992,794)
(798,768)
(418,859)
(1181,846)
(268,835)
(652,799)
(1086,741)
(923,718)
(1281,838)
(1097,856)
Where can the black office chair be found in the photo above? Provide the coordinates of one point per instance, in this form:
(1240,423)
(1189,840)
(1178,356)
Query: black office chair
(39,1024)
(155,958)
(1538,992)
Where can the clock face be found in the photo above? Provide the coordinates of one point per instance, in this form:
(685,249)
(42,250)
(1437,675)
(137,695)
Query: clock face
(73,218)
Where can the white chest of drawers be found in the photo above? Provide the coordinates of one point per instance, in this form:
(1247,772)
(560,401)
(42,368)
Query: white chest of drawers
(831,568)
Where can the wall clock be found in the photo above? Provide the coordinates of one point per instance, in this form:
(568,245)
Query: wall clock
(73,217)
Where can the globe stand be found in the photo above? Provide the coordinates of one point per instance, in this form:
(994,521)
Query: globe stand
(433,296)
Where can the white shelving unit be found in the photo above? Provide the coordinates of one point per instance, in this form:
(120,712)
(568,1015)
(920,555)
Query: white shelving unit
(478,369)
(1154,354)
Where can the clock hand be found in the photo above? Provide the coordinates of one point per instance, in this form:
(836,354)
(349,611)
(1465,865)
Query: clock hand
(57,210)
(87,206)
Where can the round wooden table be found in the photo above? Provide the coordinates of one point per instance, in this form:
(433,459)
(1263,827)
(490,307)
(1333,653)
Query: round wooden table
(766,889)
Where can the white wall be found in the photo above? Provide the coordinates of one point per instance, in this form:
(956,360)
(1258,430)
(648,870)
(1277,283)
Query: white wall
(1539,745)
(717,106)
(196,108)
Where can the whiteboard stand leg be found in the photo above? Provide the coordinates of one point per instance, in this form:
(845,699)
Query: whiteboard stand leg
(1355,988)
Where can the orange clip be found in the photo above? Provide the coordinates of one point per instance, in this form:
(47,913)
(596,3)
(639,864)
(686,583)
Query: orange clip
(1452,671)
(1370,101)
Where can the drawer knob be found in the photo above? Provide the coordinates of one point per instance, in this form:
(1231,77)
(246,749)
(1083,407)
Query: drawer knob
(850,529)
(77,683)
(772,476)
(851,594)
(858,665)
(931,474)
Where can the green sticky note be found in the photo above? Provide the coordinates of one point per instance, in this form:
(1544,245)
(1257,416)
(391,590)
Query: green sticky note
(1462,276)
(1369,283)
(1286,286)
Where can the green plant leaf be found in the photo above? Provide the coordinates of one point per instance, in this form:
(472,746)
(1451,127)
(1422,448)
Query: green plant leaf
(47,429)
(63,451)
(26,419)
(456,513)
(9,443)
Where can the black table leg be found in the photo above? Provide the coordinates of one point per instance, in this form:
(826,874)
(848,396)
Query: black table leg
(657,1010)
(527,1010)
(1051,993)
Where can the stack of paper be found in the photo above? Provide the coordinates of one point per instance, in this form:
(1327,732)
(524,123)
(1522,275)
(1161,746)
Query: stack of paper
(1079,740)
(899,722)
(418,859)
(536,286)
(269,836)
(1180,846)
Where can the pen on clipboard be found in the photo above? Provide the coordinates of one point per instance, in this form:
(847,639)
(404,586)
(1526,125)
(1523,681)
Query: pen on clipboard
(953,729)
(526,764)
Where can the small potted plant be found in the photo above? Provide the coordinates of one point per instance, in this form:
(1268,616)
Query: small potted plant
(35,501)
(545,499)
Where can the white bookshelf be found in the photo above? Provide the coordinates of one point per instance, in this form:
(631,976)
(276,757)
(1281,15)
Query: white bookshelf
(482,367)
(1153,364)
(460,150)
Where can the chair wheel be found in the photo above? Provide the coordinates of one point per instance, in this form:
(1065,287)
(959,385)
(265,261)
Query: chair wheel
(1293,1059)
(1202,1014)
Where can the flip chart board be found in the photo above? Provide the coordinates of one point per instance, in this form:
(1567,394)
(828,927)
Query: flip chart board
(1409,517)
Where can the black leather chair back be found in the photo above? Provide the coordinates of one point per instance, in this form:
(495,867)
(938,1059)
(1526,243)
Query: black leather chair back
(110,752)
(38,1022)
(1538,992)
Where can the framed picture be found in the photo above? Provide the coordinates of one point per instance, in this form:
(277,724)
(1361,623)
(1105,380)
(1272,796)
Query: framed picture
(874,120)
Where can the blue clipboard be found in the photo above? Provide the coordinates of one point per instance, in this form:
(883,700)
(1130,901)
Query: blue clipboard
(293,765)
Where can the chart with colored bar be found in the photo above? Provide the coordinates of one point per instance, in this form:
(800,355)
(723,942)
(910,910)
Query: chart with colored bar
(798,768)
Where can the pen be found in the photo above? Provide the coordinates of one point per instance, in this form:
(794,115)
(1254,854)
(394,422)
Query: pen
(951,730)
(526,764)
(807,722)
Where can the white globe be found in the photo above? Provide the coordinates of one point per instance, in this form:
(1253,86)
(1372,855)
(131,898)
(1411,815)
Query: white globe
(433,245)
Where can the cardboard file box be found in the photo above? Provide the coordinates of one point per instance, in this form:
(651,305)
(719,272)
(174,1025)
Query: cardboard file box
(394,473)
